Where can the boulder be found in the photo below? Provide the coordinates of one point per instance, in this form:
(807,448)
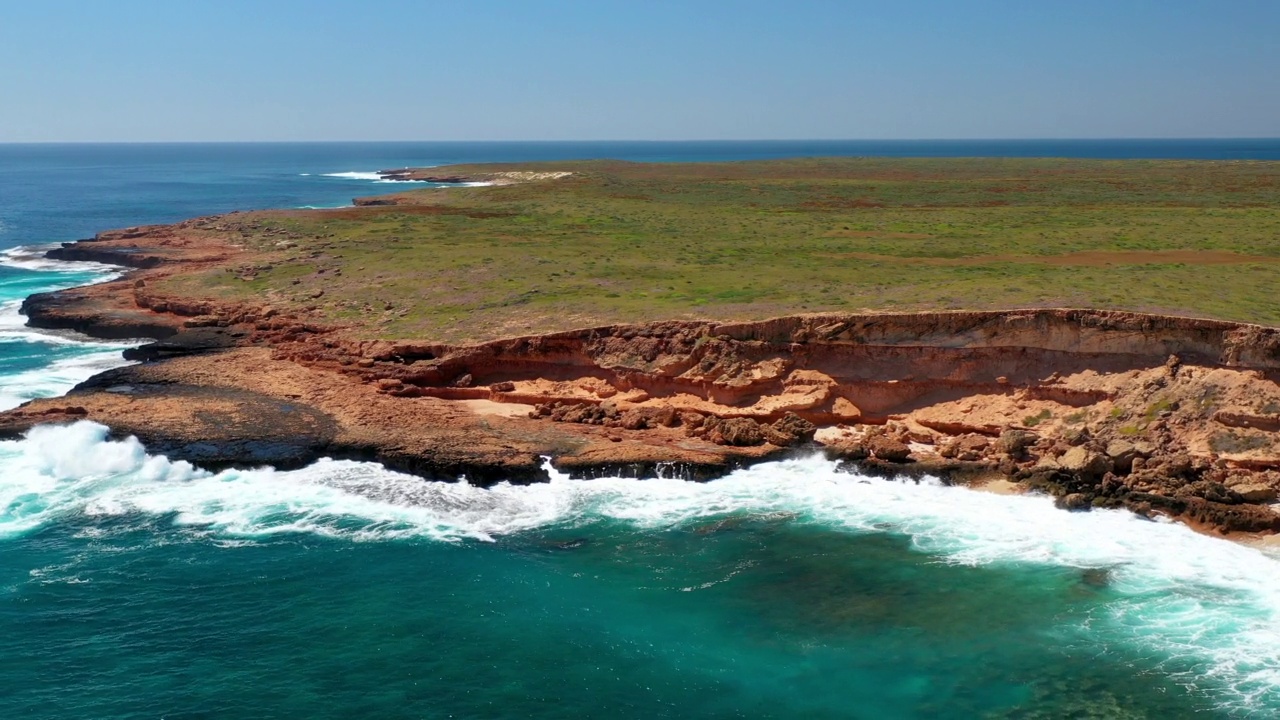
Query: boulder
(1076,436)
(1255,492)
(645,418)
(1084,462)
(1046,463)
(1124,453)
(634,419)
(966,447)
(1074,501)
(1228,518)
(924,437)
(575,414)
(888,449)
(738,432)
(1179,465)
(1014,442)
(789,430)
(970,447)
(847,450)
(691,420)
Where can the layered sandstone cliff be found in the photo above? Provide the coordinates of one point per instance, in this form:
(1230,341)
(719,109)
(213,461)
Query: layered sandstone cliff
(1160,414)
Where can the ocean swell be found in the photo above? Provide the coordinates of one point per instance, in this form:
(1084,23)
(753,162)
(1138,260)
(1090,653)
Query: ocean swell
(354,175)
(1208,607)
(378,177)
(32,257)
(372,177)
(47,363)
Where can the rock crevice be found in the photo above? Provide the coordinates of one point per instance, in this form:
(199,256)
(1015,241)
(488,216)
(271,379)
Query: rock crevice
(1101,408)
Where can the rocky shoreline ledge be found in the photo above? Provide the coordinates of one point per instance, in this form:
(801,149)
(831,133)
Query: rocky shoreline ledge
(1162,415)
(432,175)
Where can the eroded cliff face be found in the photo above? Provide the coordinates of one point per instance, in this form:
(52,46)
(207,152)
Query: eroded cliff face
(1159,414)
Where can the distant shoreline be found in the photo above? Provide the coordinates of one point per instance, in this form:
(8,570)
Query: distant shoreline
(442,152)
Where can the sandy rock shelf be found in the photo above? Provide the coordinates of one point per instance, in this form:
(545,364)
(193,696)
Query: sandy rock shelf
(1163,415)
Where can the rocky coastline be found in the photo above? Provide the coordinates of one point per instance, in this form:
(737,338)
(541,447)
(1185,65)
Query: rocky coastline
(1158,414)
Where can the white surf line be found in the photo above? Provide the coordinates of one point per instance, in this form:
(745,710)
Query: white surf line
(63,373)
(1210,606)
(379,177)
(32,257)
(354,175)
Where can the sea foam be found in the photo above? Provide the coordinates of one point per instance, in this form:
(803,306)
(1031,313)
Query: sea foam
(372,177)
(355,175)
(57,377)
(32,257)
(70,358)
(378,178)
(1212,607)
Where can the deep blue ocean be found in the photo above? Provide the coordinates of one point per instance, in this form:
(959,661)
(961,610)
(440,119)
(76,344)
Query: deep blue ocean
(136,587)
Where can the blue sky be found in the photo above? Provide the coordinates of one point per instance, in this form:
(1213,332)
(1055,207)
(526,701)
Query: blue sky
(146,70)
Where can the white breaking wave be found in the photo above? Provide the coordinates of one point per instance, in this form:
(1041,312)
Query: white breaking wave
(31,257)
(56,378)
(478,183)
(56,469)
(378,178)
(1206,604)
(88,356)
(13,327)
(355,175)
(373,177)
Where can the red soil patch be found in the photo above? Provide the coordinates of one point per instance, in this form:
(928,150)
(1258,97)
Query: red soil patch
(1088,258)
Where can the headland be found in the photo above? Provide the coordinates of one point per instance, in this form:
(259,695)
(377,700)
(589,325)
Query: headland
(1099,330)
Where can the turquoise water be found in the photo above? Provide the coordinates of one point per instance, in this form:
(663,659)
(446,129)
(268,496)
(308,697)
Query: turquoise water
(37,363)
(135,587)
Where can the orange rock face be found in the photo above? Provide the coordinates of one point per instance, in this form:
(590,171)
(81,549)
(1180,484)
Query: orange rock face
(1160,414)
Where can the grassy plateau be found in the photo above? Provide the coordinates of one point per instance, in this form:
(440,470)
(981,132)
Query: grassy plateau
(620,241)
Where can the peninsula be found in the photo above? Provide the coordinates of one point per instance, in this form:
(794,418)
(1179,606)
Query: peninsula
(1100,330)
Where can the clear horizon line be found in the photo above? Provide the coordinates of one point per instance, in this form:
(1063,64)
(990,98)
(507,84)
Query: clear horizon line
(653,141)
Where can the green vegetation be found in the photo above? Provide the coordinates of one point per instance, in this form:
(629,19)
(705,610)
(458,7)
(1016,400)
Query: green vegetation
(627,242)
(1207,401)
(1076,418)
(1033,420)
(1229,442)
(1154,409)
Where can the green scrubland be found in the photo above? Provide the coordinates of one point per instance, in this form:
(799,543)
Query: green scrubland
(635,242)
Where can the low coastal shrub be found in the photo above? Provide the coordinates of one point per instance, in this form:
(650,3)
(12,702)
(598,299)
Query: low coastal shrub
(627,242)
